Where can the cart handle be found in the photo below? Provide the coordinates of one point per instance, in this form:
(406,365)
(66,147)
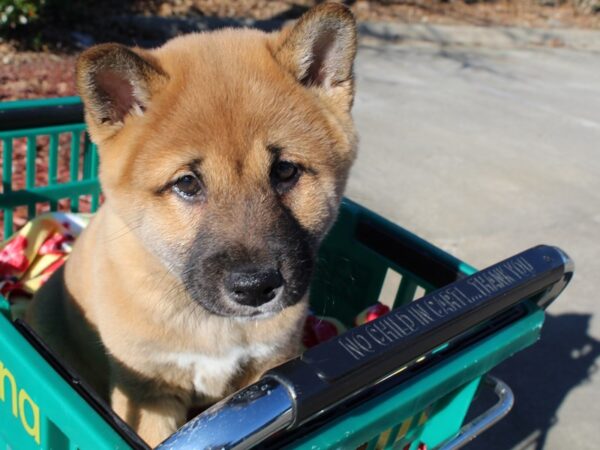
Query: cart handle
(344,367)
(486,420)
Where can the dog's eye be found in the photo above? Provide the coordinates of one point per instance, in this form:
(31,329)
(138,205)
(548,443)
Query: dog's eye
(284,175)
(188,186)
(285,171)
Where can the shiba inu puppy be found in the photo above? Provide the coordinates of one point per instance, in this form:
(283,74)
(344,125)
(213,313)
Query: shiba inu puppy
(223,159)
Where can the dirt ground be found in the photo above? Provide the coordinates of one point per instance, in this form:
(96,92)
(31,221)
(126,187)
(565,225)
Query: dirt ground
(35,74)
(49,72)
(485,13)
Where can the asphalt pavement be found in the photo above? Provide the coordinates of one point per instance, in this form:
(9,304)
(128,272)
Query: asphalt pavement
(486,146)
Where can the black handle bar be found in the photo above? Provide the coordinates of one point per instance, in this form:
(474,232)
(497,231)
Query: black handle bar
(335,370)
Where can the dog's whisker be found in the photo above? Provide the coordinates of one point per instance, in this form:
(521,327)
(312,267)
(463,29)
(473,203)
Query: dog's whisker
(124,231)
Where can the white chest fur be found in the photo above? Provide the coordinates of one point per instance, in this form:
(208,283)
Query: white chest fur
(216,370)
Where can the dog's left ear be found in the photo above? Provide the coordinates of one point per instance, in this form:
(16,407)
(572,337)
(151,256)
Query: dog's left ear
(319,51)
(116,82)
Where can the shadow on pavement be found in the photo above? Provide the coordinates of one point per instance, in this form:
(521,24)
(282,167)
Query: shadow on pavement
(541,377)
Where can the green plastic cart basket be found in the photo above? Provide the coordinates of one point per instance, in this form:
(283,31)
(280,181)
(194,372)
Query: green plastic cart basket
(403,381)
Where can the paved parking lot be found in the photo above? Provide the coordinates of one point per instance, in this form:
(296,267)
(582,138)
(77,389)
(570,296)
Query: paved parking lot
(485,151)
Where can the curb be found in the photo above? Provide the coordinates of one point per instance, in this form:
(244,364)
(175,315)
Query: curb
(492,37)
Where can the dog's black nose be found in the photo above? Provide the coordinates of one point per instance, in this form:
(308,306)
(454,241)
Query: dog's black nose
(253,286)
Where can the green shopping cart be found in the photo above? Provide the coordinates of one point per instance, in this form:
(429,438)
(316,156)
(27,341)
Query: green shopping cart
(403,381)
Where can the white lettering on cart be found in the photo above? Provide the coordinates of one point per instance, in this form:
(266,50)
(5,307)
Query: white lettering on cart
(376,334)
(519,267)
(434,307)
(390,333)
(356,345)
(451,301)
(490,281)
(420,314)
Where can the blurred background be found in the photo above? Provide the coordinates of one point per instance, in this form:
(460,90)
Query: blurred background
(38,38)
(480,131)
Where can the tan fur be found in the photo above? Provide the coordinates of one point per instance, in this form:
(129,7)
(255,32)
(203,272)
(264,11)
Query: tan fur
(221,98)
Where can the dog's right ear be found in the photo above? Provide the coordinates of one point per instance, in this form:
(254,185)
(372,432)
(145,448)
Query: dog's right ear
(114,82)
(319,51)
